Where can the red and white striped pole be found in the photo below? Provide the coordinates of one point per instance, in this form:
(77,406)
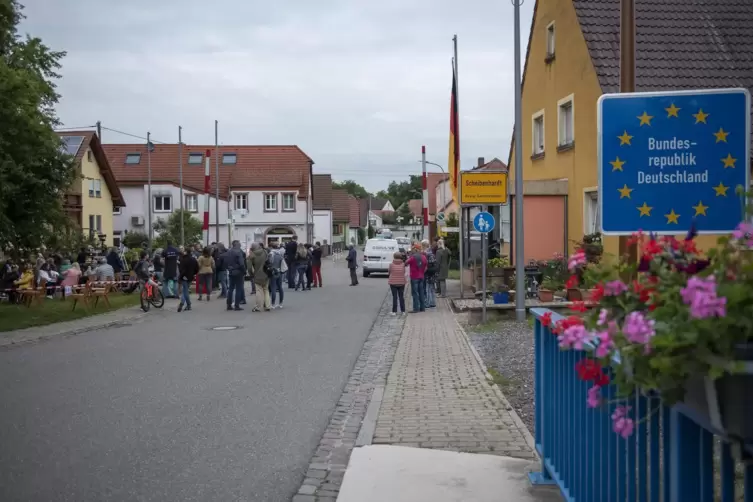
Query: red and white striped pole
(425,194)
(207,170)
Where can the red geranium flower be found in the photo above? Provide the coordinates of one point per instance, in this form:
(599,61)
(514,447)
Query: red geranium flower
(590,370)
(572,282)
(597,293)
(565,323)
(578,306)
(546,320)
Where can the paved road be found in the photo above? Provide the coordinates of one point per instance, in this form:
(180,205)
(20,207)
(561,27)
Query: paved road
(167,410)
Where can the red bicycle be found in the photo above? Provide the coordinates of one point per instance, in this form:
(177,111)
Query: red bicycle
(151,295)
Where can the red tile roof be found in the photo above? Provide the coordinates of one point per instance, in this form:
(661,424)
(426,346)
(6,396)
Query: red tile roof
(322,191)
(354,211)
(416,207)
(91,140)
(256,167)
(340,205)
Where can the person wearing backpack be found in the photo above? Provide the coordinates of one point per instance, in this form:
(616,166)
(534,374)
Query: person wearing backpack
(430,275)
(277,269)
(417,265)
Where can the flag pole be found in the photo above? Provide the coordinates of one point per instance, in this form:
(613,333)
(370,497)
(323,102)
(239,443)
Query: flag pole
(217,182)
(520,278)
(461,220)
(180,174)
(149,183)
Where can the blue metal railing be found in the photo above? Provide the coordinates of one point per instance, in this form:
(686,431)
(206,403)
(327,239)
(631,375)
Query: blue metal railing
(672,456)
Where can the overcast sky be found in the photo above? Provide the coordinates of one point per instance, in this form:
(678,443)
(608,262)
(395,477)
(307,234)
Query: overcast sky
(358,85)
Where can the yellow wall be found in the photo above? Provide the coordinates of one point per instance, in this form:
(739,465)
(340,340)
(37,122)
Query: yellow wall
(93,205)
(571,72)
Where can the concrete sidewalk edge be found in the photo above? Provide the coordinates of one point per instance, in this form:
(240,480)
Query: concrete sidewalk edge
(518,422)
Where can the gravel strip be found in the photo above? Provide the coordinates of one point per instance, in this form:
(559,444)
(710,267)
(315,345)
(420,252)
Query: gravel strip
(506,348)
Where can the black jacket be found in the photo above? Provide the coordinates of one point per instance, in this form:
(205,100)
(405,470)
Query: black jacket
(316,257)
(188,267)
(290,249)
(171,263)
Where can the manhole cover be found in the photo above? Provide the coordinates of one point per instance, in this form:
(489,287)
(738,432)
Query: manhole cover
(225,328)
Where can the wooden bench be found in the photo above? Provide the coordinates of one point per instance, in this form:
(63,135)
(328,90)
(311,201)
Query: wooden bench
(34,296)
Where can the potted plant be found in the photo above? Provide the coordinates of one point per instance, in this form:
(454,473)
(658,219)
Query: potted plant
(548,286)
(680,326)
(500,293)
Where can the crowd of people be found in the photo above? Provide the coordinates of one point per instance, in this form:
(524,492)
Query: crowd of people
(216,268)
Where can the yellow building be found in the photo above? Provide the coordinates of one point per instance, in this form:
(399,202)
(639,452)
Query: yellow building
(94,196)
(573,57)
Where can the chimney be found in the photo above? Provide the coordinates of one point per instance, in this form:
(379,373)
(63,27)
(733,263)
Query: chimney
(480,162)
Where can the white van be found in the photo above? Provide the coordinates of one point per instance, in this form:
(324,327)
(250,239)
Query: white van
(377,256)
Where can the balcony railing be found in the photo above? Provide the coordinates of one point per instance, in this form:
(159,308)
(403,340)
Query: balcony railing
(672,456)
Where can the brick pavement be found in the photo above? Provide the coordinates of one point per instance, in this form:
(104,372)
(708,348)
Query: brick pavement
(438,396)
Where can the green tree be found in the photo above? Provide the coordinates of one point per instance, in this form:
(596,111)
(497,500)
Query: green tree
(169,230)
(399,193)
(452,239)
(403,212)
(134,240)
(353,188)
(34,170)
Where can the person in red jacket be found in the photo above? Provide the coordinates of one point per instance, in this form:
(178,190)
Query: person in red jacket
(417,264)
(396,280)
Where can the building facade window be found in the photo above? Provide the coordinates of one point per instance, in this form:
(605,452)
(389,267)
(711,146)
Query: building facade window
(229,158)
(89,156)
(116,209)
(116,238)
(550,40)
(241,202)
(566,121)
(591,214)
(270,202)
(95,223)
(163,203)
(288,202)
(192,203)
(337,228)
(95,188)
(538,133)
(195,158)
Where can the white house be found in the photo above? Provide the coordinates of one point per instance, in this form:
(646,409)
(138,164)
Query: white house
(322,216)
(268,189)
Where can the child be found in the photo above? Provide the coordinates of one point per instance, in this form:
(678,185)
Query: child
(396,281)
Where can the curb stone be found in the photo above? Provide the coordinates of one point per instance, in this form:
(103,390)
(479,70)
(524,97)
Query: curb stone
(351,423)
(518,422)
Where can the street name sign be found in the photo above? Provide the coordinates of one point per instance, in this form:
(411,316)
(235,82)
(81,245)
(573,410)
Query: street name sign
(483,188)
(673,159)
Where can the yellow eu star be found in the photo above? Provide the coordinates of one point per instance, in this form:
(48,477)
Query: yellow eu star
(721,190)
(645,210)
(729,161)
(617,164)
(721,135)
(700,116)
(645,119)
(672,110)
(672,217)
(624,192)
(625,139)
(700,209)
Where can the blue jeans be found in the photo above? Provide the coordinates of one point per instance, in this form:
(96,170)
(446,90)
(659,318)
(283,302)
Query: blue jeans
(167,290)
(418,292)
(222,277)
(431,293)
(291,272)
(185,292)
(235,290)
(301,271)
(275,286)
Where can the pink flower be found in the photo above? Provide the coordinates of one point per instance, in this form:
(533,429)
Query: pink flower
(605,344)
(622,424)
(574,337)
(594,396)
(603,317)
(638,329)
(576,260)
(700,295)
(615,288)
(744,231)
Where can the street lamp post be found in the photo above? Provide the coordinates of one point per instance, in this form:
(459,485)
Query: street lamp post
(443,172)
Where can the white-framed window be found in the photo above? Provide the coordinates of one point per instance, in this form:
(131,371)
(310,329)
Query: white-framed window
(566,120)
(89,156)
(163,203)
(95,223)
(95,188)
(537,132)
(288,202)
(241,202)
(116,238)
(591,213)
(550,40)
(270,202)
(195,158)
(192,203)
(229,158)
(116,209)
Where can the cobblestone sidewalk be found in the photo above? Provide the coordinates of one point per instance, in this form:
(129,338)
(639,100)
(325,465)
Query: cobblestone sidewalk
(437,395)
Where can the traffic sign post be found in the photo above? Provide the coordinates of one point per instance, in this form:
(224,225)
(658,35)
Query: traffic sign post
(483,223)
(672,160)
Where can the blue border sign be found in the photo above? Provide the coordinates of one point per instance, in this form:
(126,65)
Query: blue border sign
(483,222)
(667,160)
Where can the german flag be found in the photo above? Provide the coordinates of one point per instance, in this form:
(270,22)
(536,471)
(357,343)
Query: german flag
(453,164)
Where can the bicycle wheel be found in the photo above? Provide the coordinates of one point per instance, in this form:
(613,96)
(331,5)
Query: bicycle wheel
(158,299)
(145,304)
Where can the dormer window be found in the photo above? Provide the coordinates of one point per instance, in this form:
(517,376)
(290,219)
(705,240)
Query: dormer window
(133,158)
(229,158)
(195,158)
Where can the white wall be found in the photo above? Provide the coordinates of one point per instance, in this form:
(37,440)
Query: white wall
(323,226)
(136,205)
(255,222)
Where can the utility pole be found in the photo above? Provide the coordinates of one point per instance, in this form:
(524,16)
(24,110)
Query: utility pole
(520,278)
(456,194)
(217,182)
(424,195)
(180,173)
(627,84)
(149,201)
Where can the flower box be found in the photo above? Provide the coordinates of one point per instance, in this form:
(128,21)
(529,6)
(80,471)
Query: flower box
(546,295)
(501,298)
